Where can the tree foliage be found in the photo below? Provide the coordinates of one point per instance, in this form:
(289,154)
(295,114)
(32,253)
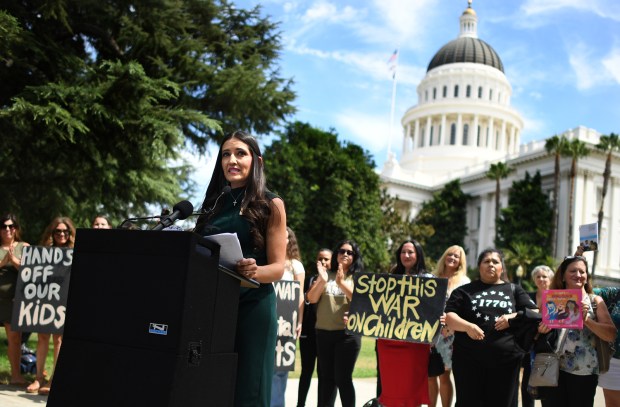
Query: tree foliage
(99,99)
(330,190)
(446,213)
(607,144)
(575,149)
(398,228)
(527,219)
(497,172)
(555,146)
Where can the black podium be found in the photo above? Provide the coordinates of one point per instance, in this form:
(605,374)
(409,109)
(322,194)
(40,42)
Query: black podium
(150,321)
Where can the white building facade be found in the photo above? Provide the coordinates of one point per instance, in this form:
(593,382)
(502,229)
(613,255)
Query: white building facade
(463,123)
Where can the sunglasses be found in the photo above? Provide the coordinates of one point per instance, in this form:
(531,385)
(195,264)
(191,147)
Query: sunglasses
(62,232)
(574,257)
(11,226)
(347,252)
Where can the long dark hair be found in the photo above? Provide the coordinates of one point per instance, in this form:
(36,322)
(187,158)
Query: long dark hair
(254,206)
(420,265)
(17,237)
(357,266)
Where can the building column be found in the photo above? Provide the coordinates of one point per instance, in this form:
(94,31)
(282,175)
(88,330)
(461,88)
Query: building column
(407,140)
(474,133)
(427,133)
(416,133)
(442,140)
(513,140)
(491,136)
(502,138)
(459,130)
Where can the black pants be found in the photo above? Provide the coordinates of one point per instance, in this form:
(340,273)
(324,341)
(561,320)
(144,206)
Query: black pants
(337,356)
(572,391)
(308,353)
(478,385)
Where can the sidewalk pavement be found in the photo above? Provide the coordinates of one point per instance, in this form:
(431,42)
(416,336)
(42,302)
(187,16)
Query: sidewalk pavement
(365,389)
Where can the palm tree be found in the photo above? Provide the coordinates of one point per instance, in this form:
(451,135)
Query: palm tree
(555,145)
(575,149)
(607,144)
(497,172)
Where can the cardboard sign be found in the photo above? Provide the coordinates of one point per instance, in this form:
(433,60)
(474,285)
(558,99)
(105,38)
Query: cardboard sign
(562,309)
(398,307)
(42,287)
(287,308)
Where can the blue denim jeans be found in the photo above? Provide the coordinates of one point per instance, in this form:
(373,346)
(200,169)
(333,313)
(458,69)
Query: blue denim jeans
(278,388)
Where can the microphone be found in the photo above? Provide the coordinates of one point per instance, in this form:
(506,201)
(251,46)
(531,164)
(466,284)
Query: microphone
(180,211)
(225,190)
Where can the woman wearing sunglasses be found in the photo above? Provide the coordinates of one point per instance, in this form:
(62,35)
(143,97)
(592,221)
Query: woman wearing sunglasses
(337,350)
(10,258)
(59,233)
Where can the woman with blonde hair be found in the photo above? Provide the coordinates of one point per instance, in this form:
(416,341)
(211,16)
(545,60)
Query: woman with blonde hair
(59,233)
(453,266)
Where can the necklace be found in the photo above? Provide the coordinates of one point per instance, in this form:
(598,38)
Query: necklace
(238,196)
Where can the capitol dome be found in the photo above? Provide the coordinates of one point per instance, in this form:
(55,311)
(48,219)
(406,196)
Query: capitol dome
(466,49)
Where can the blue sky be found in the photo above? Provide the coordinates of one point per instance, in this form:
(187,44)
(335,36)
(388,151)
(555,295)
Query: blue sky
(562,58)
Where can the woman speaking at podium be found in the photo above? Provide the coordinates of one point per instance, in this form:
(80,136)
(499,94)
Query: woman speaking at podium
(237,200)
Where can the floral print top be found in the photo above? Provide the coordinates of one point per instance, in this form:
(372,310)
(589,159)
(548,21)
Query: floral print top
(578,354)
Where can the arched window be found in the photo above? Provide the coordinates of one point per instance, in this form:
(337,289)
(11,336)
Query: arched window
(421,140)
(452,134)
(434,93)
(445,91)
(426,95)
(468,91)
(479,92)
(490,94)
(456,91)
(430,140)
(465,133)
(478,136)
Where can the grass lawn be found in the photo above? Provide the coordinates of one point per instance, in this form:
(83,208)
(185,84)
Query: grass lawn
(366,365)
(5,368)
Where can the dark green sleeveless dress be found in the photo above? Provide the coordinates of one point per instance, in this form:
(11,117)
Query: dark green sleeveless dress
(255,340)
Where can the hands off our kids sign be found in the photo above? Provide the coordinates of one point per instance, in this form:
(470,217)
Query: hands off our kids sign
(42,287)
(397,307)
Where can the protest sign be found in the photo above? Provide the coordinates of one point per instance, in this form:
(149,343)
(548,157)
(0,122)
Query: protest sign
(41,291)
(397,307)
(287,309)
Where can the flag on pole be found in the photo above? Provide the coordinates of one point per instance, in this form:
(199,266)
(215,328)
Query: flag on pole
(392,62)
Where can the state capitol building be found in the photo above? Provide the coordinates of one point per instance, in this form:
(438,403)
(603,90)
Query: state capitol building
(463,123)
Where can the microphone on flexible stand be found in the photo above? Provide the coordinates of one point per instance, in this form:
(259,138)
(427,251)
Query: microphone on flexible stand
(180,211)
(124,226)
(225,190)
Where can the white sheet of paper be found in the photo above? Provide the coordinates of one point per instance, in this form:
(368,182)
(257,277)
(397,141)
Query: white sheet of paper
(230,249)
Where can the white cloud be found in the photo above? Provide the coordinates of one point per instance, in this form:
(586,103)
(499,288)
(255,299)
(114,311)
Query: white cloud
(590,71)
(603,8)
(324,11)
(612,64)
(368,130)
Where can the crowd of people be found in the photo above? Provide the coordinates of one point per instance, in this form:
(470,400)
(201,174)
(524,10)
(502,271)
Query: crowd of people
(60,232)
(478,342)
